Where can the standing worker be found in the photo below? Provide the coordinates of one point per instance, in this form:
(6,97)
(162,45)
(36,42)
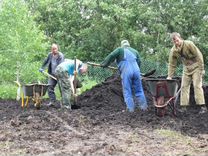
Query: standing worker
(193,70)
(65,73)
(53,59)
(128,62)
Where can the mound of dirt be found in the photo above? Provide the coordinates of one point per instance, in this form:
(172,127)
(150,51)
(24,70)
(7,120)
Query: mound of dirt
(106,102)
(109,94)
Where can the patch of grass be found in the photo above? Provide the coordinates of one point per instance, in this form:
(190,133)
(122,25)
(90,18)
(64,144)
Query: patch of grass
(6,146)
(8,91)
(173,139)
(173,135)
(169,133)
(87,84)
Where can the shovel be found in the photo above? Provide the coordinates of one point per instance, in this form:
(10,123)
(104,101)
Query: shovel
(75,83)
(49,75)
(148,73)
(95,64)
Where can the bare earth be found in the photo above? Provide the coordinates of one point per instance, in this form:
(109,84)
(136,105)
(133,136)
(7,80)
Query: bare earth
(101,126)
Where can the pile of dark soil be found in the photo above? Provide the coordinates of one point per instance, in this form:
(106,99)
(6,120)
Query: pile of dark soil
(109,95)
(102,126)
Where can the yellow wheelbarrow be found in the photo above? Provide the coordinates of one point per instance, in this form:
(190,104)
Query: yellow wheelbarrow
(31,91)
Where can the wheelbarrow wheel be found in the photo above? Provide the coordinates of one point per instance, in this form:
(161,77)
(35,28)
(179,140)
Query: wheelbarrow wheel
(37,105)
(159,101)
(37,100)
(160,111)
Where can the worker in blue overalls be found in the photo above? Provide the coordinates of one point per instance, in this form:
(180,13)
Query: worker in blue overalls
(128,62)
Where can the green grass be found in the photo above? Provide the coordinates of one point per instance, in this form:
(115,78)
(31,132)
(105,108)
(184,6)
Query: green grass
(179,142)
(172,134)
(87,85)
(7,145)
(8,91)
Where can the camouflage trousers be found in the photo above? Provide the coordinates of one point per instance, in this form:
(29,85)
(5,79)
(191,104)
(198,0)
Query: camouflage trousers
(187,79)
(64,85)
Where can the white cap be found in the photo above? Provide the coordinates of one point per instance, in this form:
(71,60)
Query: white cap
(125,43)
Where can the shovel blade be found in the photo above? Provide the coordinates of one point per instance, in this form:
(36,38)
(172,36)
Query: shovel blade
(149,73)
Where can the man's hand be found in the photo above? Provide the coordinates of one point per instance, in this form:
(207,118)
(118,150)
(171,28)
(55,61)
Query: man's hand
(203,73)
(75,95)
(169,78)
(75,72)
(41,70)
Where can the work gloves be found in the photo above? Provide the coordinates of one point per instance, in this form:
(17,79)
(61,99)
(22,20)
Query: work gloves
(41,70)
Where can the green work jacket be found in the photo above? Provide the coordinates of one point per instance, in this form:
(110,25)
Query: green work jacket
(118,55)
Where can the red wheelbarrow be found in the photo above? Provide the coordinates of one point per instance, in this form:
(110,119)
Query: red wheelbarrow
(165,94)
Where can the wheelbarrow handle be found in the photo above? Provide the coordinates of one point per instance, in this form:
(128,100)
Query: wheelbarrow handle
(177,95)
(18,90)
(18,83)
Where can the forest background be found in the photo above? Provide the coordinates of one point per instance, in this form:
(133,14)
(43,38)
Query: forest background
(91,29)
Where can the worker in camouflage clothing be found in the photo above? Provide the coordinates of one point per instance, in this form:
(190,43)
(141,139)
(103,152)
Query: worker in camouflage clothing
(193,69)
(65,74)
(128,62)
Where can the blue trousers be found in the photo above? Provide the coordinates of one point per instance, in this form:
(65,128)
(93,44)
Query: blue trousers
(132,86)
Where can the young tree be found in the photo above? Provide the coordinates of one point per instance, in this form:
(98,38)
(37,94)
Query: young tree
(22,43)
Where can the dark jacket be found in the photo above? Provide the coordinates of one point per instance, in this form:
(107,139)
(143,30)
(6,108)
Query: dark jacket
(47,61)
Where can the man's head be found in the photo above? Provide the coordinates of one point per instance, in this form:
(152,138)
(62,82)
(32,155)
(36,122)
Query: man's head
(54,49)
(83,68)
(176,39)
(125,43)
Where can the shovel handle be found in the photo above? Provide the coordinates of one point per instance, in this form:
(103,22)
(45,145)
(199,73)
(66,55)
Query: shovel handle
(96,64)
(49,75)
(74,82)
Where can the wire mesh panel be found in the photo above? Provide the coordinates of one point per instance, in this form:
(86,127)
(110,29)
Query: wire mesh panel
(99,74)
(161,68)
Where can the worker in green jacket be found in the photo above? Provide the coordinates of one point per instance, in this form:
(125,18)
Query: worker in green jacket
(128,63)
(193,69)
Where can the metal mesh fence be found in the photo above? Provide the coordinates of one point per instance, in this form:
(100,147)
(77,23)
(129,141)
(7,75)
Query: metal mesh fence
(161,68)
(100,74)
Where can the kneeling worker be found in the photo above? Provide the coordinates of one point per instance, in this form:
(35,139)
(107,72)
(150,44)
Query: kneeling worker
(65,73)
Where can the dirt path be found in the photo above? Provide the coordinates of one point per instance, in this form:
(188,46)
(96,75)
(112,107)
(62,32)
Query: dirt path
(100,127)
